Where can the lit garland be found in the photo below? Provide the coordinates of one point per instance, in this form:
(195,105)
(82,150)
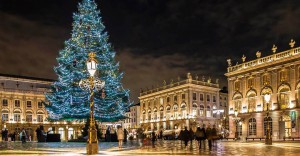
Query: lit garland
(67,100)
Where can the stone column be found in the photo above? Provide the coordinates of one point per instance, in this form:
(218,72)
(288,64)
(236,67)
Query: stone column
(66,133)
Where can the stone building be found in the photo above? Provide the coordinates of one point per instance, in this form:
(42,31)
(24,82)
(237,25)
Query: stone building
(132,123)
(190,102)
(21,106)
(276,74)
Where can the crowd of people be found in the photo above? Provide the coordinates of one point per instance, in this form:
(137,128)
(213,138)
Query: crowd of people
(23,135)
(200,135)
(119,135)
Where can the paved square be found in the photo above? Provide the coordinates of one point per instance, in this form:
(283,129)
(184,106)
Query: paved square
(160,148)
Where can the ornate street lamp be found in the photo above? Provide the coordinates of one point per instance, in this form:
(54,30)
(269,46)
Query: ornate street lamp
(92,84)
(268,140)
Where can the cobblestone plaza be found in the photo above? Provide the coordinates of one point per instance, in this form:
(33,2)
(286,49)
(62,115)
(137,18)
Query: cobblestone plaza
(160,148)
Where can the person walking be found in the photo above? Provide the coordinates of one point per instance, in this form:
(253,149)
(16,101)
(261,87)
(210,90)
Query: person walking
(120,134)
(6,134)
(209,136)
(200,136)
(185,136)
(125,135)
(153,138)
(214,135)
(24,136)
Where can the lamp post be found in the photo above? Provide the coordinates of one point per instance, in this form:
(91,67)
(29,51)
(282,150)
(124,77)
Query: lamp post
(268,140)
(237,122)
(90,84)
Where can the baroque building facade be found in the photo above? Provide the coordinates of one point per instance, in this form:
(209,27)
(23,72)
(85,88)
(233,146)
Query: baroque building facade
(185,103)
(278,75)
(22,106)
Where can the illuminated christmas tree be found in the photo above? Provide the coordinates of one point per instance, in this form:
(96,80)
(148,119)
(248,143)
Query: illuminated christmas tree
(67,100)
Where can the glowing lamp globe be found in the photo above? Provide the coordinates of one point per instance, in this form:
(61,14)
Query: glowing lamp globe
(91,64)
(267,97)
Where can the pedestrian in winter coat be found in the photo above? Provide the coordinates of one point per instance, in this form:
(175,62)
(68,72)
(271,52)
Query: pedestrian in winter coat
(200,135)
(185,136)
(214,134)
(120,134)
(209,136)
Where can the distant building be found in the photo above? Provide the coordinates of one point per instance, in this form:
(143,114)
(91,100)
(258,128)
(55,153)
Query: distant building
(21,106)
(190,102)
(249,82)
(133,117)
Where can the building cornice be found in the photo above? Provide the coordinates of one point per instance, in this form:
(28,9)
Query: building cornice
(262,63)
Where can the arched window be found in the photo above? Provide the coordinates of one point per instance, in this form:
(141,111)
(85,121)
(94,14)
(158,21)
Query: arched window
(201,111)
(71,133)
(194,113)
(4,115)
(251,102)
(238,128)
(237,100)
(175,107)
(252,126)
(208,111)
(183,105)
(284,98)
(61,131)
(266,120)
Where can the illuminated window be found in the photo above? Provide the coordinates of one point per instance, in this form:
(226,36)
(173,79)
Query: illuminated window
(207,98)
(201,110)
(237,85)
(194,96)
(183,96)
(283,75)
(266,125)
(284,98)
(17,103)
(29,118)
(250,82)
(4,103)
(175,107)
(4,117)
(17,117)
(266,79)
(40,104)
(208,111)
(40,118)
(28,104)
(201,97)
(161,101)
(238,128)
(252,126)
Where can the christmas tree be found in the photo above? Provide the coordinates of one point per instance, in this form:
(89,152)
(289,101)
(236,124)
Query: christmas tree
(67,100)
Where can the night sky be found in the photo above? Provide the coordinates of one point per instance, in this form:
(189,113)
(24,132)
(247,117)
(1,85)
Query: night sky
(155,40)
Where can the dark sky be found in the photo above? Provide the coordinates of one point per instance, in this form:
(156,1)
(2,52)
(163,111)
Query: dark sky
(155,40)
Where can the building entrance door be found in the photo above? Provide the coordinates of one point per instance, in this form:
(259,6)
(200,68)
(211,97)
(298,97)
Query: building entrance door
(285,127)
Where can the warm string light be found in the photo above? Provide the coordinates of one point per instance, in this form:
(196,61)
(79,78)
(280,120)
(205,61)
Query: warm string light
(67,100)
